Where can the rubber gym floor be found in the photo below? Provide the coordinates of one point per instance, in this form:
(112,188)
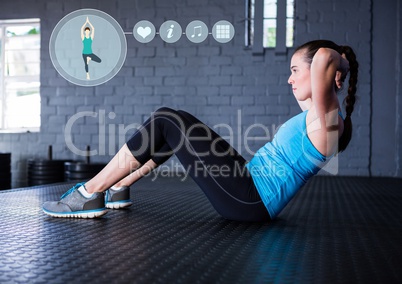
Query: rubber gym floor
(336,230)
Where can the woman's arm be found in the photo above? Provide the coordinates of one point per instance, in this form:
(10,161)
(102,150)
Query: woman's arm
(324,67)
(93,30)
(327,67)
(82,31)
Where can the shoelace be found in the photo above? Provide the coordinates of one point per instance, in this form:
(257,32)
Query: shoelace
(71,190)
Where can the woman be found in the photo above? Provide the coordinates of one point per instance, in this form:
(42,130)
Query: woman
(255,191)
(87,37)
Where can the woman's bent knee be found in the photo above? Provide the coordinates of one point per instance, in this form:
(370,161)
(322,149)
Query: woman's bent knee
(165,110)
(168,114)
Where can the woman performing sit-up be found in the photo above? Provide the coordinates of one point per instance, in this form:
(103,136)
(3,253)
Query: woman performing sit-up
(301,147)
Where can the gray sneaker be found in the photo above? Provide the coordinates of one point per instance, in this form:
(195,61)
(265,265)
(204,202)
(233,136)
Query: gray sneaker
(74,205)
(116,199)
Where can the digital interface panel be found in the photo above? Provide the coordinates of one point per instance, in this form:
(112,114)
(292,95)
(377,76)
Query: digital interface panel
(88,47)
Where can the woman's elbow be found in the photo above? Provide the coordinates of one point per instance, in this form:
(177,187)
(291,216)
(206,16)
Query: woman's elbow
(324,56)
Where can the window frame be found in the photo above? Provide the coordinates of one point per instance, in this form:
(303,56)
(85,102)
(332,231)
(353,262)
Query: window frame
(255,27)
(4,24)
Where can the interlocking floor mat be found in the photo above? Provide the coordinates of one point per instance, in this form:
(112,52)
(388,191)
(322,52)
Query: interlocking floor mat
(336,230)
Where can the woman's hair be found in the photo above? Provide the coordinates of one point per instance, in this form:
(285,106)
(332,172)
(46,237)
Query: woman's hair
(309,49)
(87,28)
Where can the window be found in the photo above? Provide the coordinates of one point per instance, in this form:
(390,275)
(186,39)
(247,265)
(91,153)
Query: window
(270,24)
(19,75)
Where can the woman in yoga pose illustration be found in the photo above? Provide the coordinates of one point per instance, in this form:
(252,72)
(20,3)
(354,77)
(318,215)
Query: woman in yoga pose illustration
(87,37)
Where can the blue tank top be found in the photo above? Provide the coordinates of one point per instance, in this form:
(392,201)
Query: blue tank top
(281,167)
(87,42)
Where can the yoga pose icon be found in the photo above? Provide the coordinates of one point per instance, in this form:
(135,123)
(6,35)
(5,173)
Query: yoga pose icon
(87,37)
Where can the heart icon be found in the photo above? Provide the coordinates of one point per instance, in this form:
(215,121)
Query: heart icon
(144,32)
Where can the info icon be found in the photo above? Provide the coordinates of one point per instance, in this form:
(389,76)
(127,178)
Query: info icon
(170,31)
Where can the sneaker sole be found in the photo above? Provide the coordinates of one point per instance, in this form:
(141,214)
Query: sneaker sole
(118,204)
(77,214)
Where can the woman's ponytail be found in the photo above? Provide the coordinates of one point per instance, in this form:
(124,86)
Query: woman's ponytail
(350,99)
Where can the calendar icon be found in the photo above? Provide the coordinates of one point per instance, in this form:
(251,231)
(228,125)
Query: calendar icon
(223,31)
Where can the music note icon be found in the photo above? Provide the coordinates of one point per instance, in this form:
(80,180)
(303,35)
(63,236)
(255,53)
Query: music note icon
(195,31)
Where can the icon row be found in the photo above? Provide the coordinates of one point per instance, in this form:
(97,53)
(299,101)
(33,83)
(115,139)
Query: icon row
(171,31)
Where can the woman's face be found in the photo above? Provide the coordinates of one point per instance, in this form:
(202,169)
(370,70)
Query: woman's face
(87,33)
(300,78)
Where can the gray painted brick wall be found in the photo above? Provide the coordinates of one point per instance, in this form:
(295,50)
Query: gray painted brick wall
(219,83)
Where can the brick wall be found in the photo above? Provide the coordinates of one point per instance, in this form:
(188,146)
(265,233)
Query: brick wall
(219,83)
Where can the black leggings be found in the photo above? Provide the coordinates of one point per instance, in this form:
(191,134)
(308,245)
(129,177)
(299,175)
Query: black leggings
(217,168)
(93,58)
